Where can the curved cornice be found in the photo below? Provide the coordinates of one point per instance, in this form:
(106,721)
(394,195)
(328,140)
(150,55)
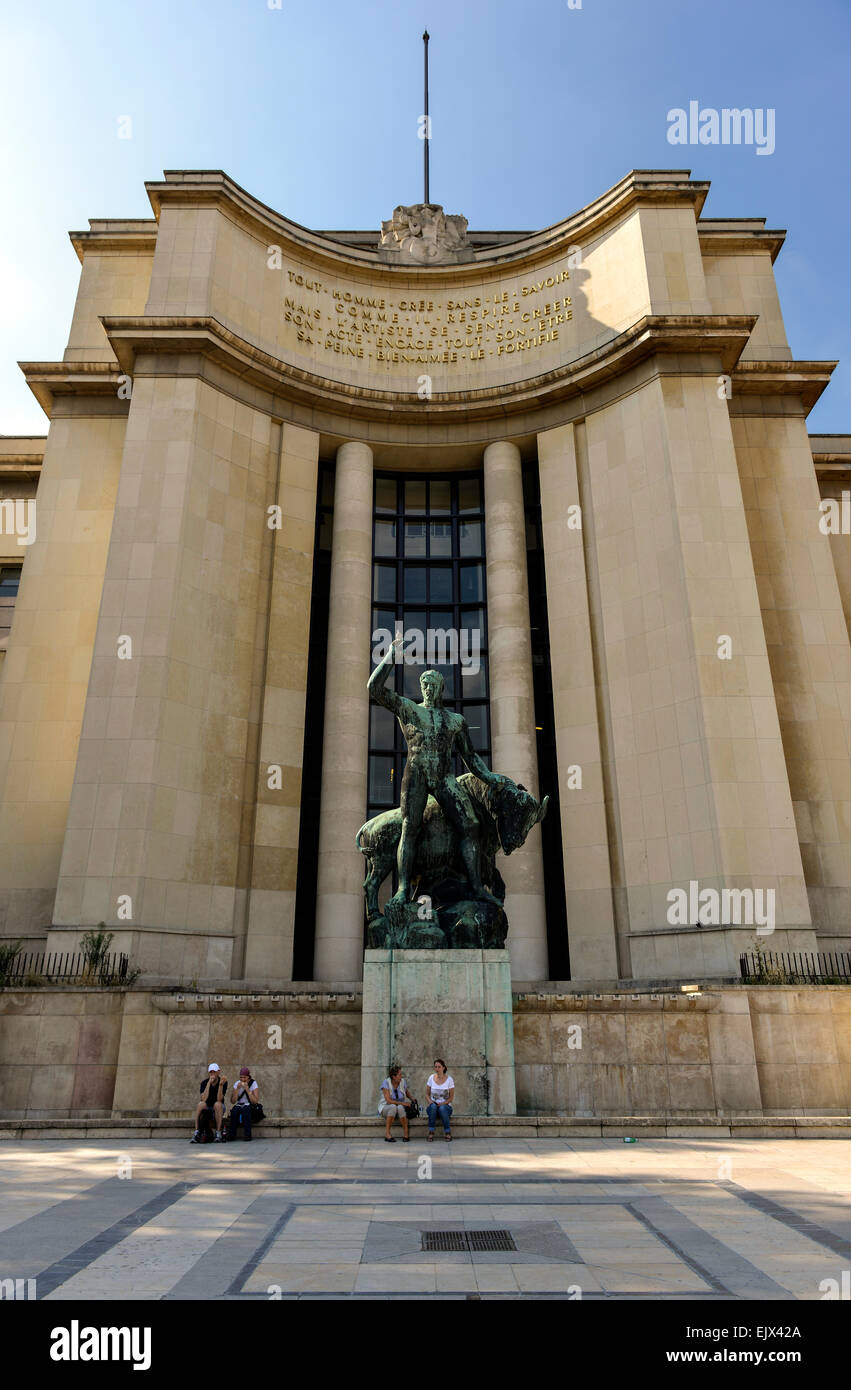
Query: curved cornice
(723,336)
(213,188)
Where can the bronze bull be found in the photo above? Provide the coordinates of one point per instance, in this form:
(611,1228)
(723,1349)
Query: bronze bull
(506,815)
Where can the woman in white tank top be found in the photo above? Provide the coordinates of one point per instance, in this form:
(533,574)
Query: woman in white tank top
(440,1088)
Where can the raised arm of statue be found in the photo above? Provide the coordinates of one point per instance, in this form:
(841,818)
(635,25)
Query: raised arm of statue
(474,763)
(376,687)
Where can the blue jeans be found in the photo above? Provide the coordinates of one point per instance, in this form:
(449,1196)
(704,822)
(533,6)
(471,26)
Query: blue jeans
(444,1111)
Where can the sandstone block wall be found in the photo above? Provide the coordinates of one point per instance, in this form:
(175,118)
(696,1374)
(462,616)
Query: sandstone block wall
(734,1051)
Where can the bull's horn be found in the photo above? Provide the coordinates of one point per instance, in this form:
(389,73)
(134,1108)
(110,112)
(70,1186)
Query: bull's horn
(542,809)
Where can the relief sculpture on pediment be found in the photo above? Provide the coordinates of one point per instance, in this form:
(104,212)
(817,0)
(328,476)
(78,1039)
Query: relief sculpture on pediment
(425,235)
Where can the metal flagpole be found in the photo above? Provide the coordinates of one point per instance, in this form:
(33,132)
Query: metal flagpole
(427,129)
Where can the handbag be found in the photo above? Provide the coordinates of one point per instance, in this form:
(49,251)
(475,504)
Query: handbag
(412,1110)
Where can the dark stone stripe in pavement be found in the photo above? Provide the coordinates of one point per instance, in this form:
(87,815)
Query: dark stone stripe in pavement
(69,1225)
(251,1264)
(834,1241)
(515,1296)
(241,1247)
(84,1255)
(391,1175)
(723,1269)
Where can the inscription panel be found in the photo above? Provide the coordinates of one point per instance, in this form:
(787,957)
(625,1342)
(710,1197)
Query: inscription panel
(476,328)
(435,329)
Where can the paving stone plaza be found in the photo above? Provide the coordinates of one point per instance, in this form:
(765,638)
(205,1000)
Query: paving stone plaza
(316,1219)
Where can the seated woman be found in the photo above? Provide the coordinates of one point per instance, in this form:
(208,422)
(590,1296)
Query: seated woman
(394,1103)
(245,1094)
(440,1088)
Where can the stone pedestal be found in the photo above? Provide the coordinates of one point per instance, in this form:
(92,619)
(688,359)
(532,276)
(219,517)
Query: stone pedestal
(419,1005)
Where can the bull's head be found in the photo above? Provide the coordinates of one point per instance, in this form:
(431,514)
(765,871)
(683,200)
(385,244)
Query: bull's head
(515,812)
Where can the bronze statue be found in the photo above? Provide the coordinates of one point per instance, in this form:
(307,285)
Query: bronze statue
(446,832)
(433,736)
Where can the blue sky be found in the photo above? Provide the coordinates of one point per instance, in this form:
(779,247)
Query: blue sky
(537,108)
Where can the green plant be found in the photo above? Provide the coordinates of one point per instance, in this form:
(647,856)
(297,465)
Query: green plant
(95,948)
(125,980)
(765,972)
(9,952)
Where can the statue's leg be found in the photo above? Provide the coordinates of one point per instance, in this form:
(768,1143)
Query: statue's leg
(470,855)
(371,884)
(498,885)
(457,806)
(414,798)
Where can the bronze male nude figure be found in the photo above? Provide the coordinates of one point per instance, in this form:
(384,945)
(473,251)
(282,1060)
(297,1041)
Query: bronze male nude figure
(433,735)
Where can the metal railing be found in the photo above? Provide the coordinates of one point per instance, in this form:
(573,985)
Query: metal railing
(795,967)
(65,967)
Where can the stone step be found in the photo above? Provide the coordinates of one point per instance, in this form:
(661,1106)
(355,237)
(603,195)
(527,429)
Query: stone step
(463,1127)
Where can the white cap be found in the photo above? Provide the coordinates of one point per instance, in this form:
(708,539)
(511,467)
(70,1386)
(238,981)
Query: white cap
(212,1067)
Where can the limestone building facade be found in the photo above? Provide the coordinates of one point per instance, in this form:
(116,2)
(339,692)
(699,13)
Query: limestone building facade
(577,460)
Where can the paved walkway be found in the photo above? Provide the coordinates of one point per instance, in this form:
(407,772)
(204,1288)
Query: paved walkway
(590,1218)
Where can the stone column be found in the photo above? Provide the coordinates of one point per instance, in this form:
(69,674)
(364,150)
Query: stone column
(275,835)
(156,845)
(588,867)
(47,665)
(339,898)
(512,702)
(806,638)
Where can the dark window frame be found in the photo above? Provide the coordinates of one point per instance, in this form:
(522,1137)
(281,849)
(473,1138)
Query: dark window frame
(399,607)
(10,575)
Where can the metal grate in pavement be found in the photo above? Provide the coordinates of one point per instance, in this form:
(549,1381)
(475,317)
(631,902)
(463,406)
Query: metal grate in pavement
(467,1240)
(444,1240)
(490,1240)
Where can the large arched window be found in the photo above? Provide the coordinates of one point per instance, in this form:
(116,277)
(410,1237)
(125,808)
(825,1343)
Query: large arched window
(428,580)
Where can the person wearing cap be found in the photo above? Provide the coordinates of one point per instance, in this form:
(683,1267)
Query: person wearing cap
(245,1094)
(214,1089)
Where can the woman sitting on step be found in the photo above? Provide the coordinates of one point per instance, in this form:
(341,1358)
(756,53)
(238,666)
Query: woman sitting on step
(245,1094)
(441,1093)
(394,1103)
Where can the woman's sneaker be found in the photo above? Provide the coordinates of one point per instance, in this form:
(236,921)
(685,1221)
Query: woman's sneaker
(196,1139)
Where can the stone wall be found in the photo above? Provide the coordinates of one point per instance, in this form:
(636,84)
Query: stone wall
(98,1052)
(58,1051)
(735,1050)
